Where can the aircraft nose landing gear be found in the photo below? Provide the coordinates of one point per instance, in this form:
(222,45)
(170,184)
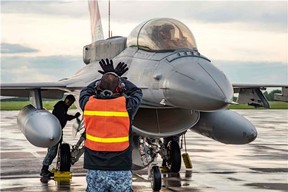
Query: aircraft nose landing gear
(148,149)
(170,152)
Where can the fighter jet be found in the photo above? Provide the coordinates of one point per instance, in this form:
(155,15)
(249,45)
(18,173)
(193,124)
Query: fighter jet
(182,91)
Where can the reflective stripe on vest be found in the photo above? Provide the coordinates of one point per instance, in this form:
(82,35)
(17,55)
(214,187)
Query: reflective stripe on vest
(106,113)
(107,124)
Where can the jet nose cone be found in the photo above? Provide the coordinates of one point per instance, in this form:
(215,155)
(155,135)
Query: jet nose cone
(198,86)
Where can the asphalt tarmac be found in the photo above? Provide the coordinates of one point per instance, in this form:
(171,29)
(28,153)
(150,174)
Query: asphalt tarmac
(257,167)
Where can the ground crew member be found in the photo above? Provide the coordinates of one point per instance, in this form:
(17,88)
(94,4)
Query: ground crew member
(109,106)
(60,111)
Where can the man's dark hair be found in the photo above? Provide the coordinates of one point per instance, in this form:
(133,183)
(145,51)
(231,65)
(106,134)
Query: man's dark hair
(70,98)
(109,81)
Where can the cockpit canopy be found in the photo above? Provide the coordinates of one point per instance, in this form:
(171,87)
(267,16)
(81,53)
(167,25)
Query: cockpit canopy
(161,35)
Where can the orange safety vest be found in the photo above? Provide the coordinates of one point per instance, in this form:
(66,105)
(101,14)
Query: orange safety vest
(107,124)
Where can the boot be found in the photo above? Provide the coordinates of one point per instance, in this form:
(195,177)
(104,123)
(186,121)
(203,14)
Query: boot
(45,172)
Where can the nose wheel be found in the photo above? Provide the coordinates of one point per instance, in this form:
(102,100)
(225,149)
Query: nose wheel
(156,178)
(173,162)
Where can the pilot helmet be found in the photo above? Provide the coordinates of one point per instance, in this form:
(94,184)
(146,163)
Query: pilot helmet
(165,30)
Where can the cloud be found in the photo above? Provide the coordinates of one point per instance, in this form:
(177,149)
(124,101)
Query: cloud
(238,31)
(243,11)
(38,69)
(271,15)
(7,48)
(52,8)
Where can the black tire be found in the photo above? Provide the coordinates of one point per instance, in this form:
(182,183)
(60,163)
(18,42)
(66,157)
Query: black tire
(65,157)
(156,180)
(174,154)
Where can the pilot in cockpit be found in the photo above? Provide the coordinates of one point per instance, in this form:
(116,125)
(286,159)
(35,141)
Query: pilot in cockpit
(165,37)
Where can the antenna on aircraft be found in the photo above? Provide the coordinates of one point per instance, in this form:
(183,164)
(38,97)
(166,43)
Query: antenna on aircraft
(109,34)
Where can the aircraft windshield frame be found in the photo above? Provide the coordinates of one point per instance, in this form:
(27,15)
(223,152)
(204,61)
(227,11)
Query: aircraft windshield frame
(163,34)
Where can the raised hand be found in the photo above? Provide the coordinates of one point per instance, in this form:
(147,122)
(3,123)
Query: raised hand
(121,68)
(106,66)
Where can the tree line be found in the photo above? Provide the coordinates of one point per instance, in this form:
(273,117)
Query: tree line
(270,95)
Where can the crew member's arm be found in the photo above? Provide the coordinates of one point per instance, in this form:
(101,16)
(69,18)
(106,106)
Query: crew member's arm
(134,97)
(60,111)
(86,93)
(70,117)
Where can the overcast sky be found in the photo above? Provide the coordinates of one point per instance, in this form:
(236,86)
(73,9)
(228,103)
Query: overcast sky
(43,40)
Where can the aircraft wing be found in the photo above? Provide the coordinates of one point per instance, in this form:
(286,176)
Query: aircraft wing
(53,90)
(251,94)
(250,85)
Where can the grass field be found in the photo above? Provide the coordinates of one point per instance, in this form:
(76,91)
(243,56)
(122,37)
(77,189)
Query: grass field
(17,105)
(273,105)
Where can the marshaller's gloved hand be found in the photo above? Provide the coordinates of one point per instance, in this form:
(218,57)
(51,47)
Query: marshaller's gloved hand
(121,68)
(107,66)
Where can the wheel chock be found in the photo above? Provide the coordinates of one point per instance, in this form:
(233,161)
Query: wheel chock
(187,160)
(62,174)
(164,169)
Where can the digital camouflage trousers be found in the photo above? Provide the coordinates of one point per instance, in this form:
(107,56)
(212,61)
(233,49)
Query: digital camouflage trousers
(109,181)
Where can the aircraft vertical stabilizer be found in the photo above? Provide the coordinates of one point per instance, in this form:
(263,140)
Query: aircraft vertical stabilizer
(95,21)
